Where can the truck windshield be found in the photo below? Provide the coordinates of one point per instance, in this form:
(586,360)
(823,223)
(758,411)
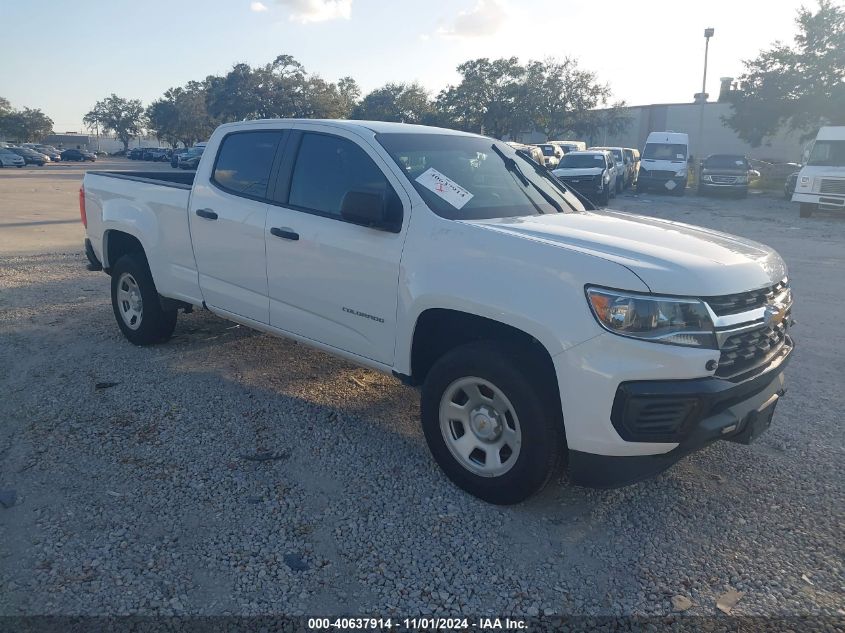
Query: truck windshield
(676,152)
(827,154)
(548,150)
(475,178)
(726,161)
(582,161)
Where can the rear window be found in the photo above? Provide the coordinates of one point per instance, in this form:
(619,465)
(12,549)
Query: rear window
(244,162)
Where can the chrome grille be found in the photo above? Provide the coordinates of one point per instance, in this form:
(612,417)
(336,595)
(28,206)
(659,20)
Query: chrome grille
(724,180)
(748,350)
(745,301)
(833,185)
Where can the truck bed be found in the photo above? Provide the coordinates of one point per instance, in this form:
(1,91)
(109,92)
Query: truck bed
(181,179)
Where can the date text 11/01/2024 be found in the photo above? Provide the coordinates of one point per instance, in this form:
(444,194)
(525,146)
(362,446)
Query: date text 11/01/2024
(415,624)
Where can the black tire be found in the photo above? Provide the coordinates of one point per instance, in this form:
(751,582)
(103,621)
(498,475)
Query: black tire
(806,209)
(604,199)
(156,325)
(517,375)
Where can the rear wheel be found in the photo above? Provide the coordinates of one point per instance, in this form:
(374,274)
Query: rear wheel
(490,424)
(806,209)
(136,304)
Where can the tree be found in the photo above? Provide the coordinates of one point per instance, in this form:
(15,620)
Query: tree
(398,102)
(181,115)
(124,117)
(558,96)
(800,87)
(487,98)
(29,124)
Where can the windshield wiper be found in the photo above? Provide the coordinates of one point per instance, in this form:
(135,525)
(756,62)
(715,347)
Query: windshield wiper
(510,163)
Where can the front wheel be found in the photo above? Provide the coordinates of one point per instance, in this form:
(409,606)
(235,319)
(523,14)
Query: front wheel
(136,303)
(489,422)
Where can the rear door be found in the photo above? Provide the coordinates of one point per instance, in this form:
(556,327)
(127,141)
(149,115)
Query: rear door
(329,280)
(228,212)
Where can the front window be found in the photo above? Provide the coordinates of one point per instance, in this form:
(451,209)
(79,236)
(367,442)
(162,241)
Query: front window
(473,178)
(548,150)
(827,154)
(582,161)
(675,152)
(617,154)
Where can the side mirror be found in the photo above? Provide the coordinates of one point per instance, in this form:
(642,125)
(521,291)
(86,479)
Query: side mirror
(369,208)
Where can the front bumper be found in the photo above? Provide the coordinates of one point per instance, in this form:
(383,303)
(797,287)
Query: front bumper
(626,420)
(646,180)
(716,186)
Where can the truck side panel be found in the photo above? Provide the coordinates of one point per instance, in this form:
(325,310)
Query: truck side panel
(157,216)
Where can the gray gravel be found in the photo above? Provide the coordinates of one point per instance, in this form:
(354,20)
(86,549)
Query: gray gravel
(144,485)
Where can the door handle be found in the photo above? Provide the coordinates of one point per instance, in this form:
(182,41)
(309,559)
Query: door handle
(208,214)
(286,234)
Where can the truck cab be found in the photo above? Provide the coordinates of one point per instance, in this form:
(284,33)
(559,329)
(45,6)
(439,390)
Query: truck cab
(821,181)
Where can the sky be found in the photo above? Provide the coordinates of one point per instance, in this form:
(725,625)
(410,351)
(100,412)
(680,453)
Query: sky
(63,56)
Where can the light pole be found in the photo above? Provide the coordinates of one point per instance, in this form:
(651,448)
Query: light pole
(702,100)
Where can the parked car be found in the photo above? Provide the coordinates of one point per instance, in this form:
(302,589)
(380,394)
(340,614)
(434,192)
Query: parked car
(551,154)
(78,155)
(623,167)
(177,155)
(591,173)
(664,163)
(726,173)
(48,150)
(789,185)
(821,183)
(533,151)
(570,146)
(8,158)
(192,158)
(539,332)
(135,153)
(633,156)
(30,156)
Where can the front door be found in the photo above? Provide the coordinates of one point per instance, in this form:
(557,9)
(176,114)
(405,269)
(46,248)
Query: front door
(329,280)
(228,213)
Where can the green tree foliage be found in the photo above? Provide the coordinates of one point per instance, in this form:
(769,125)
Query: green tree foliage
(28,124)
(501,97)
(398,102)
(800,87)
(281,89)
(181,115)
(124,117)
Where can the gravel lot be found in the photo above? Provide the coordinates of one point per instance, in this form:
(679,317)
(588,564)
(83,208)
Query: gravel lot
(232,472)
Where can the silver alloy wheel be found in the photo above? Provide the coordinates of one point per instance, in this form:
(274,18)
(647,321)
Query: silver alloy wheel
(129,301)
(480,426)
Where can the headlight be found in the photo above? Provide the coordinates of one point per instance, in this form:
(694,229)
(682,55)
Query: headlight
(681,172)
(707,178)
(742,180)
(651,318)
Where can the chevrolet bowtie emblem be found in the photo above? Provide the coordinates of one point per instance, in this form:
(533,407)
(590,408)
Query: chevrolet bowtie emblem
(774,315)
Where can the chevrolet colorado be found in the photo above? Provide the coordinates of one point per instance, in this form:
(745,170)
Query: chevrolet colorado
(540,332)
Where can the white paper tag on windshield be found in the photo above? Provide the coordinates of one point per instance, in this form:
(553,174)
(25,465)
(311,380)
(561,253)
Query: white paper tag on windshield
(447,189)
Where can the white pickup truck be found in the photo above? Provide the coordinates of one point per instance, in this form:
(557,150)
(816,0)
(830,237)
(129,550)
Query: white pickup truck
(540,332)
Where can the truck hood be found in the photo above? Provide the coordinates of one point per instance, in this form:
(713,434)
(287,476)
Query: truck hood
(670,257)
(580,171)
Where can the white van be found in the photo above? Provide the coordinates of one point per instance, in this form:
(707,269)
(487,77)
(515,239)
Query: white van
(664,163)
(821,182)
